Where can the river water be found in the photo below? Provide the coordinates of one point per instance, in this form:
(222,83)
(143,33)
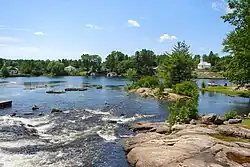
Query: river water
(88,131)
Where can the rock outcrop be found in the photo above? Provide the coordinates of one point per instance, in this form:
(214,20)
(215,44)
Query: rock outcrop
(189,146)
(165,95)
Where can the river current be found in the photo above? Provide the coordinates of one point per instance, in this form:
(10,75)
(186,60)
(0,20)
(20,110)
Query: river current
(91,127)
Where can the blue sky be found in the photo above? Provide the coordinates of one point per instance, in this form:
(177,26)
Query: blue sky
(53,29)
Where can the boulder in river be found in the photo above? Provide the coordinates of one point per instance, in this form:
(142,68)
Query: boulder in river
(13,114)
(56,110)
(35,107)
(234,121)
(28,113)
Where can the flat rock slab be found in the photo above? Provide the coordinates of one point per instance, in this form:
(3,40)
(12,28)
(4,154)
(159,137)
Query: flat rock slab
(190,146)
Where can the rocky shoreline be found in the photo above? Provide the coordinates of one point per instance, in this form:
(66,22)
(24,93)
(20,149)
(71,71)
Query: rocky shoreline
(203,144)
(152,92)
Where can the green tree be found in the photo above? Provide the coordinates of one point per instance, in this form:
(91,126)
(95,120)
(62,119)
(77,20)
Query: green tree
(145,61)
(211,58)
(91,62)
(56,68)
(196,60)
(1,63)
(5,72)
(131,74)
(178,65)
(238,42)
(114,59)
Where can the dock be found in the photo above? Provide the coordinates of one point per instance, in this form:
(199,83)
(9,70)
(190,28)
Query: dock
(5,104)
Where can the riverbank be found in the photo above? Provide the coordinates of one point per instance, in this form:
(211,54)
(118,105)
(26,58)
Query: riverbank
(208,75)
(228,90)
(189,145)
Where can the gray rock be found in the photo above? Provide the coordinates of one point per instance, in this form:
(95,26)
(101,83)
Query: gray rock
(56,110)
(234,121)
(207,119)
(225,122)
(28,113)
(142,126)
(190,148)
(112,121)
(163,130)
(13,114)
(218,121)
(40,114)
(193,122)
(35,107)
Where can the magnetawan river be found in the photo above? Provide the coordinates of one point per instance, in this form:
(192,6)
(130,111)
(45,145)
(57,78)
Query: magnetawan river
(89,130)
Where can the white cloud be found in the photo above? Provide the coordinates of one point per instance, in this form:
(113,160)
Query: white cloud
(93,26)
(222,6)
(5,39)
(166,37)
(39,33)
(133,23)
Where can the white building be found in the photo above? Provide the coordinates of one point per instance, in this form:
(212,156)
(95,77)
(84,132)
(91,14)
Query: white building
(69,69)
(203,65)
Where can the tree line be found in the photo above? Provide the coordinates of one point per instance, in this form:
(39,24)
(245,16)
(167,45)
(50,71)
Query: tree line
(177,65)
(143,62)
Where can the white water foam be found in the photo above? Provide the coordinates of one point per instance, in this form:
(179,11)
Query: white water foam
(123,119)
(107,135)
(126,136)
(97,112)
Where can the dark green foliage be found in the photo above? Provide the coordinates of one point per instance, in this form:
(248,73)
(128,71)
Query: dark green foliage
(56,68)
(187,88)
(4,71)
(182,112)
(211,58)
(145,81)
(178,65)
(91,63)
(130,74)
(230,115)
(238,42)
(196,60)
(115,62)
(203,84)
(145,61)
(148,82)
(1,63)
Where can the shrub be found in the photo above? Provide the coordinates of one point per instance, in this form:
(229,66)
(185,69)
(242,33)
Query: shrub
(230,115)
(187,88)
(148,82)
(130,87)
(130,74)
(203,85)
(182,112)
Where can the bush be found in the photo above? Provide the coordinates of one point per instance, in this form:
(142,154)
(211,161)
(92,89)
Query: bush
(148,82)
(182,112)
(130,87)
(203,85)
(230,115)
(187,88)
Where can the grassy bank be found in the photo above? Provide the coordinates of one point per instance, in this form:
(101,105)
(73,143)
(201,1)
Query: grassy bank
(227,91)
